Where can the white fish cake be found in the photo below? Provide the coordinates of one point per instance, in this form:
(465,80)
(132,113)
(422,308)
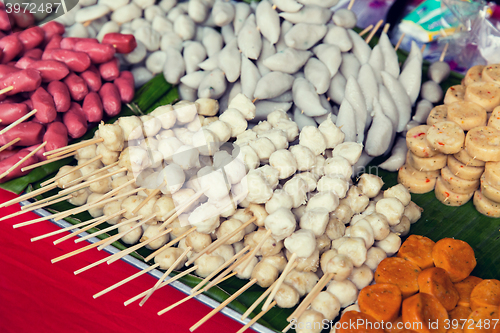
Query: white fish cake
(463,171)
(416,141)
(486,94)
(494,120)
(438,114)
(492,173)
(466,114)
(454,94)
(426,164)
(468,160)
(489,191)
(446,137)
(474,74)
(485,206)
(483,143)
(448,197)
(491,73)
(414,184)
(457,184)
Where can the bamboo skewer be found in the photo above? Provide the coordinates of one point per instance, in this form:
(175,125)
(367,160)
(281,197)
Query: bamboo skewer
(115,226)
(24,159)
(228,270)
(122,282)
(443,54)
(185,299)
(72,147)
(350,4)
(257,317)
(116,190)
(78,180)
(422,49)
(257,248)
(149,197)
(36,207)
(172,279)
(116,237)
(17,122)
(72,227)
(169,244)
(78,167)
(174,213)
(28,195)
(279,282)
(374,31)
(96,223)
(223,304)
(7,145)
(6,90)
(36,165)
(386,27)
(167,273)
(88,182)
(83,249)
(214,273)
(399,41)
(38,202)
(366,30)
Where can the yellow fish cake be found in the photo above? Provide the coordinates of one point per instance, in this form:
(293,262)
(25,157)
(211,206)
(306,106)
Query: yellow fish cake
(474,74)
(483,142)
(448,197)
(463,171)
(414,184)
(417,143)
(489,191)
(494,120)
(486,94)
(457,184)
(446,137)
(438,113)
(485,206)
(454,94)
(467,115)
(468,160)
(433,163)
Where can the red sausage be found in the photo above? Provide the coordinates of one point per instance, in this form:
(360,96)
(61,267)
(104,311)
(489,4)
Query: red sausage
(24,62)
(11,46)
(33,53)
(122,43)
(98,53)
(7,163)
(110,97)
(4,20)
(50,70)
(76,61)
(53,28)
(10,112)
(29,104)
(56,136)
(60,94)
(23,19)
(8,153)
(25,80)
(70,42)
(110,70)
(77,86)
(75,121)
(31,37)
(29,132)
(126,86)
(6,69)
(44,104)
(92,107)
(92,77)
(53,43)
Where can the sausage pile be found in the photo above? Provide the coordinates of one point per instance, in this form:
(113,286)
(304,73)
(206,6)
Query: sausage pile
(299,205)
(457,153)
(71,82)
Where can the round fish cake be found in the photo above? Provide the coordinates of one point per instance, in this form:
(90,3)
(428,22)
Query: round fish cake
(414,184)
(426,164)
(467,115)
(483,143)
(492,173)
(446,137)
(457,184)
(468,160)
(491,73)
(463,171)
(485,206)
(438,113)
(486,94)
(417,143)
(494,120)
(474,74)
(489,191)
(448,197)
(454,94)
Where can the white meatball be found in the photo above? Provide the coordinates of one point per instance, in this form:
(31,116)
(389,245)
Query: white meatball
(131,126)
(326,199)
(166,115)
(277,137)
(206,141)
(284,162)
(363,229)
(163,207)
(319,166)
(335,228)
(112,135)
(303,282)
(281,223)
(402,228)
(340,266)
(279,199)
(271,175)
(174,177)
(390,244)
(286,296)
(186,157)
(87,152)
(338,165)
(263,147)
(332,134)
(310,321)
(184,135)
(207,264)
(167,258)
(98,210)
(412,212)
(379,225)
(374,256)
(326,304)
(249,266)
(248,157)
(270,247)
(290,127)
(351,151)
(207,106)
(297,189)
(228,227)
(312,138)
(259,191)
(101,186)
(278,260)
(259,212)
(315,220)
(153,231)
(73,175)
(361,276)
(245,138)
(335,183)
(304,157)
(399,192)
(309,264)
(391,208)
(355,249)
(80,198)
(309,178)
(225,251)
(265,274)
(185,112)
(345,292)
(370,185)
(302,242)
(132,236)
(262,127)
(357,200)
(235,120)
(205,218)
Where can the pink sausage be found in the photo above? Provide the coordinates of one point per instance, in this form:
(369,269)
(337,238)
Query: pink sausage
(51,70)
(8,153)
(110,70)
(70,42)
(6,69)
(110,97)
(4,20)
(92,77)
(44,104)
(11,46)
(77,86)
(9,162)
(23,19)
(29,104)
(24,62)
(122,43)
(33,53)
(53,43)
(31,37)
(126,86)
(29,132)
(25,80)
(76,61)
(98,53)
(56,136)
(10,112)
(60,94)
(53,28)
(92,107)
(75,121)
(13,99)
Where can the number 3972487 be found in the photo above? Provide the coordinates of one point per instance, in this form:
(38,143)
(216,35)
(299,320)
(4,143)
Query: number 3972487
(31,7)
